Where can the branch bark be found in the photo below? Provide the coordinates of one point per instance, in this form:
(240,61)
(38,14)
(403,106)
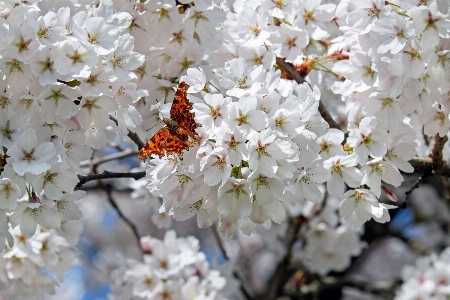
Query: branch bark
(290,69)
(133,136)
(107,175)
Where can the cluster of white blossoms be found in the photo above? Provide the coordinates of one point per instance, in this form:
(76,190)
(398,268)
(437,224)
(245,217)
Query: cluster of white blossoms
(77,75)
(428,279)
(330,242)
(172,269)
(30,268)
(65,66)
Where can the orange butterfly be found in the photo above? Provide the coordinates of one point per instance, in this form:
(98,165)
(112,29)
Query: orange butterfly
(179,133)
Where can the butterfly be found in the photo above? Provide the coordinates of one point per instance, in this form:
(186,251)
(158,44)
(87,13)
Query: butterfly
(179,133)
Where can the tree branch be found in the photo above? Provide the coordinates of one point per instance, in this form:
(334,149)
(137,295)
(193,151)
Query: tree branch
(415,186)
(98,161)
(235,274)
(107,175)
(290,69)
(281,276)
(436,153)
(108,192)
(133,136)
(423,165)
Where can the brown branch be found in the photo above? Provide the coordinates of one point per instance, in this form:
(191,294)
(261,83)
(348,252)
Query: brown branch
(330,284)
(236,275)
(290,69)
(98,161)
(127,221)
(107,175)
(133,136)
(415,186)
(423,165)
(281,274)
(436,153)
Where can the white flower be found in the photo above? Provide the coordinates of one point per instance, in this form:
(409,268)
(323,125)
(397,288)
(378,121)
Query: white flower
(310,171)
(195,78)
(245,114)
(330,144)
(234,199)
(123,60)
(430,24)
(75,59)
(16,71)
(235,142)
(67,208)
(239,79)
(95,33)
(25,43)
(49,32)
(285,122)
(369,139)
(43,65)
(290,42)
(211,113)
(438,123)
(216,166)
(29,156)
(29,215)
(399,154)
(376,170)
(312,16)
(265,190)
(265,150)
(58,99)
(409,62)
(393,32)
(75,149)
(95,110)
(342,170)
(11,127)
(56,181)
(360,204)
(9,193)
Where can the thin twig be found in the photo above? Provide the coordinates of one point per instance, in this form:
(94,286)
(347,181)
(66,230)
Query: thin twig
(98,161)
(290,69)
(133,136)
(415,186)
(107,175)
(444,182)
(281,276)
(236,275)
(108,192)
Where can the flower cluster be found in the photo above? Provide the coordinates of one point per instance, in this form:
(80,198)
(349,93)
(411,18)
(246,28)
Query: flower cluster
(77,75)
(29,270)
(64,69)
(263,141)
(428,279)
(330,243)
(172,269)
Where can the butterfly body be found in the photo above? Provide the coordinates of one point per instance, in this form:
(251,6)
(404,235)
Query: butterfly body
(179,133)
(177,130)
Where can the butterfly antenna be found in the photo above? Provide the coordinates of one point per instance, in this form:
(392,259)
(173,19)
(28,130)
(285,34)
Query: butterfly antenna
(160,121)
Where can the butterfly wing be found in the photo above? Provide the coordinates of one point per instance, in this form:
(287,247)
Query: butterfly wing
(155,145)
(174,144)
(181,108)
